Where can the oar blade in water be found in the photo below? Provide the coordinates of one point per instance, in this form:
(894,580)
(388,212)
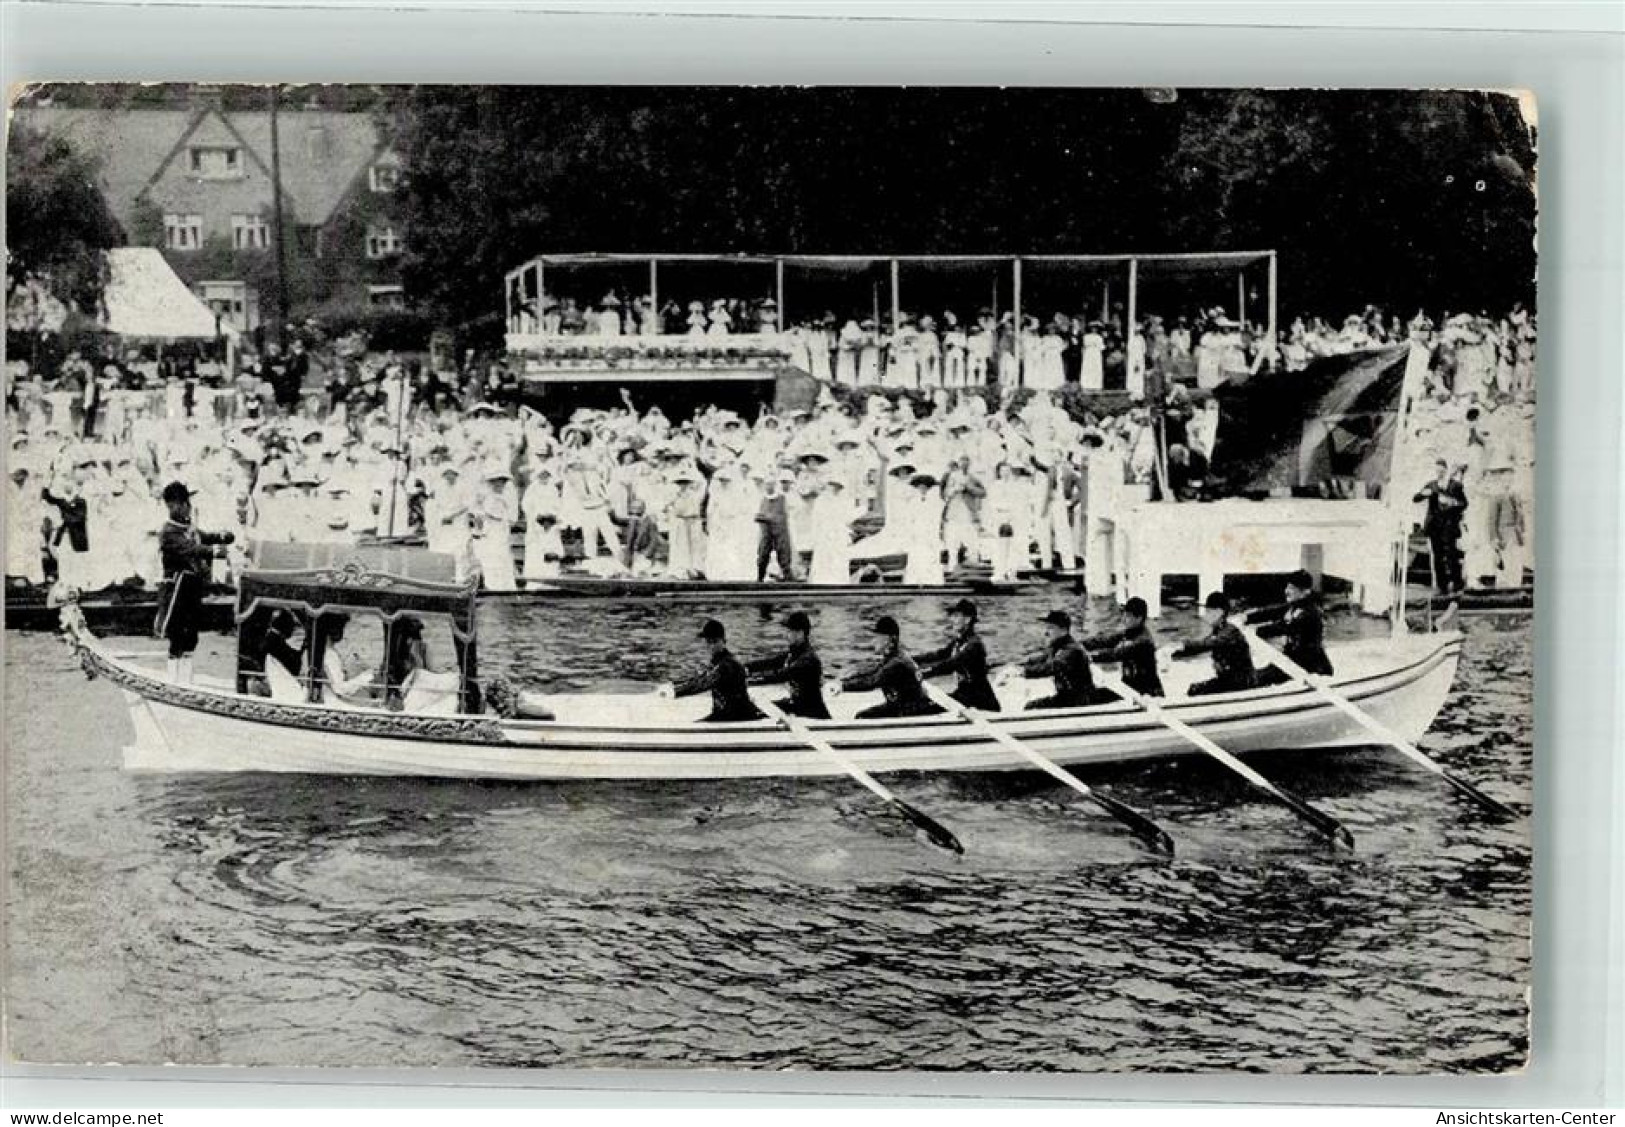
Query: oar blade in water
(1329,827)
(1138,824)
(935,831)
(1493,806)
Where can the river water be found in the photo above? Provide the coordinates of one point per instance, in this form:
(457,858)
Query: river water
(763,924)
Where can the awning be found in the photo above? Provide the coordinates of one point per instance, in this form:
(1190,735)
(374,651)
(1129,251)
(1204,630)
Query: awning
(145,298)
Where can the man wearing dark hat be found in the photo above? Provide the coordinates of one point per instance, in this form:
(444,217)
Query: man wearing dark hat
(799,667)
(1065,661)
(188,556)
(1447,503)
(966,658)
(895,675)
(1134,647)
(1232,658)
(724,678)
(1300,622)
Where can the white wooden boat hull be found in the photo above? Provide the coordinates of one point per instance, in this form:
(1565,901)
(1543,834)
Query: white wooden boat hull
(1403,683)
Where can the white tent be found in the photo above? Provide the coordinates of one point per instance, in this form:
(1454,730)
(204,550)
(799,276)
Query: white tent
(145,298)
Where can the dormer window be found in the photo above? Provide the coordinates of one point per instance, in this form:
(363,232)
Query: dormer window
(384,177)
(215,162)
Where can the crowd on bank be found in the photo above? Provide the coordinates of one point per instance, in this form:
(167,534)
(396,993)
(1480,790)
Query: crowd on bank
(856,485)
(925,350)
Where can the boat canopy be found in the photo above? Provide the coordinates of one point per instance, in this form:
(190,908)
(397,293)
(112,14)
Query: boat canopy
(323,584)
(387,580)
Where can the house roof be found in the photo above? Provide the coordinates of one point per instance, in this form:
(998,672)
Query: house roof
(322,152)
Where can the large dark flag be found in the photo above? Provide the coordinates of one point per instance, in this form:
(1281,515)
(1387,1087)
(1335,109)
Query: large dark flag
(1325,431)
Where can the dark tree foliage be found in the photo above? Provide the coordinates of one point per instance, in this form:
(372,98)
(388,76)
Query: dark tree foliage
(57,223)
(1394,198)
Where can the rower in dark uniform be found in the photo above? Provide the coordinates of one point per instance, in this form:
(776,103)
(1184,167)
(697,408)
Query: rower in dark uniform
(1232,658)
(966,658)
(1300,622)
(1134,647)
(188,557)
(1065,661)
(895,675)
(799,666)
(724,679)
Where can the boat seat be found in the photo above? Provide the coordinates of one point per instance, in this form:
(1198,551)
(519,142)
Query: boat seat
(284,686)
(431,694)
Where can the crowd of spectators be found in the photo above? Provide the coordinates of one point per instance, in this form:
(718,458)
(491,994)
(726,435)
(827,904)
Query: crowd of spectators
(966,475)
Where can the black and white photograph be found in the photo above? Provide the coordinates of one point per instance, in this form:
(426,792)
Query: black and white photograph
(952,579)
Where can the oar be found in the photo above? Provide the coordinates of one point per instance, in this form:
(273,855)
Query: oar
(1141,826)
(934,830)
(1376,727)
(1329,826)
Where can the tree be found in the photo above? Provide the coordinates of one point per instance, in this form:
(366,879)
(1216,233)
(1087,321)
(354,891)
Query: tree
(1370,196)
(58,225)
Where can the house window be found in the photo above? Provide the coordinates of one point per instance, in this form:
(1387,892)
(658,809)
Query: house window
(215,162)
(228,300)
(250,232)
(183,232)
(382,242)
(384,177)
(386,297)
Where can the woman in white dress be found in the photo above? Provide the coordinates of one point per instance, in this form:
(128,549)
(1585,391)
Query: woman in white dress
(868,355)
(902,364)
(954,342)
(721,320)
(544,547)
(25,518)
(834,510)
(1208,355)
(493,535)
(924,517)
(820,339)
(1135,366)
(847,347)
(1001,510)
(685,558)
(928,354)
(978,356)
(731,526)
(1092,369)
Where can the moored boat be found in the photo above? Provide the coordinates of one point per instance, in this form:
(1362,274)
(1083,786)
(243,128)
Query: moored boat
(623,587)
(243,726)
(112,611)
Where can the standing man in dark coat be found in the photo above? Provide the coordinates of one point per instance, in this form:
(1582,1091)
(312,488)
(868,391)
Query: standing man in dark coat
(274,370)
(1232,657)
(799,667)
(966,658)
(896,676)
(1065,661)
(1447,503)
(1300,622)
(188,556)
(724,679)
(1134,647)
(298,370)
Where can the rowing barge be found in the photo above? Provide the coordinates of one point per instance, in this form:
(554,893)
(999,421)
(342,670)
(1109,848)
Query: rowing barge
(214,725)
